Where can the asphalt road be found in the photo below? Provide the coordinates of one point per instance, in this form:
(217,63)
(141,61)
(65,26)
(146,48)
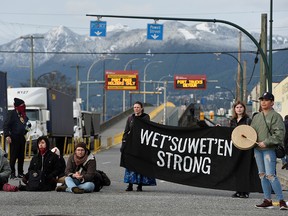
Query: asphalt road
(164,199)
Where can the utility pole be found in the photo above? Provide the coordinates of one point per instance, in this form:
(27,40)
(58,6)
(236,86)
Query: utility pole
(263,75)
(32,57)
(77,79)
(239,92)
(270,45)
(245,81)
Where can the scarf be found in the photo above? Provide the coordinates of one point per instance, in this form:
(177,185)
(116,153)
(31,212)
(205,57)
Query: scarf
(21,110)
(42,151)
(79,160)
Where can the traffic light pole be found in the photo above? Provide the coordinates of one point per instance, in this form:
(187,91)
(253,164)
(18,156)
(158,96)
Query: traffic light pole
(264,57)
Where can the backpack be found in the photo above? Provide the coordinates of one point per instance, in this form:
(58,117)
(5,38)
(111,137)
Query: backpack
(35,181)
(100,180)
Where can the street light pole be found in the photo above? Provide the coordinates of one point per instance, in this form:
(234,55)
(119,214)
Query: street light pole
(221,87)
(88,77)
(124,92)
(241,71)
(165,103)
(263,55)
(145,69)
(158,103)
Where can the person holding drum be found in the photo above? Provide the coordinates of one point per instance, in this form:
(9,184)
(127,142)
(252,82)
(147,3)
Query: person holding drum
(240,117)
(270,130)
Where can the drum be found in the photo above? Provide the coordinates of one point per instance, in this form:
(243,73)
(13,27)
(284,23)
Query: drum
(244,137)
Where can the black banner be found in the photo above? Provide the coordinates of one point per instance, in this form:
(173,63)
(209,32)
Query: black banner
(201,157)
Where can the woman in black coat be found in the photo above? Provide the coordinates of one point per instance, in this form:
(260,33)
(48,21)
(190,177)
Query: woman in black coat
(49,169)
(240,117)
(132,177)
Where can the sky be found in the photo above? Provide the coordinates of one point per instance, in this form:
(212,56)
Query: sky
(19,18)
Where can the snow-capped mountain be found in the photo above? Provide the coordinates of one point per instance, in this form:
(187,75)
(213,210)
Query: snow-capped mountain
(60,48)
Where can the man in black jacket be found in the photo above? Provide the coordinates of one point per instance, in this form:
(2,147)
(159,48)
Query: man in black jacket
(15,128)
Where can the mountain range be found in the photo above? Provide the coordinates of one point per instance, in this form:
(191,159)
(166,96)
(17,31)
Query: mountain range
(183,50)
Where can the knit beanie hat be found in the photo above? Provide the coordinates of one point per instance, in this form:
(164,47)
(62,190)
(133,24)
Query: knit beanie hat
(18,102)
(82,145)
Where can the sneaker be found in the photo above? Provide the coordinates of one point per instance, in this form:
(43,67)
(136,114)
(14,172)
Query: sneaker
(266,204)
(77,190)
(61,188)
(244,195)
(236,195)
(12,176)
(10,188)
(20,176)
(283,205)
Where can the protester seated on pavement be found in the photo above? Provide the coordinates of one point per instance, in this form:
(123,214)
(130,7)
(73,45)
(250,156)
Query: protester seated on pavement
(5,171)
(62,165)
(80,171)
(44,163)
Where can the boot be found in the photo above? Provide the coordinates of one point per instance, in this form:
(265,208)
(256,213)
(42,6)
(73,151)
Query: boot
(139,187)
(130,187)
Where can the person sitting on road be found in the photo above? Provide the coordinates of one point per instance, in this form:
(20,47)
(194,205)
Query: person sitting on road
(5,171)
(62,165)
(46,164)
(80,171)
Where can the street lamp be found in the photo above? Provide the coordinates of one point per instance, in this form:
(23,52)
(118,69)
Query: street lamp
(241,71)
(220,87)
(164,88)
(145,69)
(88,77)
(159,88)
(124,92)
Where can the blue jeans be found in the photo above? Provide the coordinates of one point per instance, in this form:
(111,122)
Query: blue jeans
(266,163)
(72,182)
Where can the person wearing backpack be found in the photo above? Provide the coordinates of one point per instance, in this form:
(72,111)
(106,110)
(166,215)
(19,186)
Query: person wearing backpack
(270,130)
(80,171)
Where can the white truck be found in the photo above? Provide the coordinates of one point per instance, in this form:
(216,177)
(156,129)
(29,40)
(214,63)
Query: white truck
(3,101)
(50,113)
(86,124)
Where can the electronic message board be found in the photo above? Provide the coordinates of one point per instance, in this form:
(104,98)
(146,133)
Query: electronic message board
(190,81)
(121,80)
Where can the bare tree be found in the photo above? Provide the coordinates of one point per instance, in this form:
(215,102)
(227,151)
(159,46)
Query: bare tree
(55,80)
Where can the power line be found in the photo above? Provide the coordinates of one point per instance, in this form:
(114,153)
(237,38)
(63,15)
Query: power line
(132,53)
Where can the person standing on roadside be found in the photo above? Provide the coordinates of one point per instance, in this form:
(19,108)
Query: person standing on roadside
(15,128)
(132,177)
(240,117)
(270,130)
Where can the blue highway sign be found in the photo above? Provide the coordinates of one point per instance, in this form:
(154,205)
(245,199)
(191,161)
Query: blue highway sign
(155,32)
(98,28)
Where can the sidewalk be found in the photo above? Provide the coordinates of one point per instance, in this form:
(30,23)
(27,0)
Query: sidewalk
(282,175)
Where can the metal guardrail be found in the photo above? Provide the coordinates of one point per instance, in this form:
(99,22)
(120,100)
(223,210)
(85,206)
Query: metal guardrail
(67,149)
